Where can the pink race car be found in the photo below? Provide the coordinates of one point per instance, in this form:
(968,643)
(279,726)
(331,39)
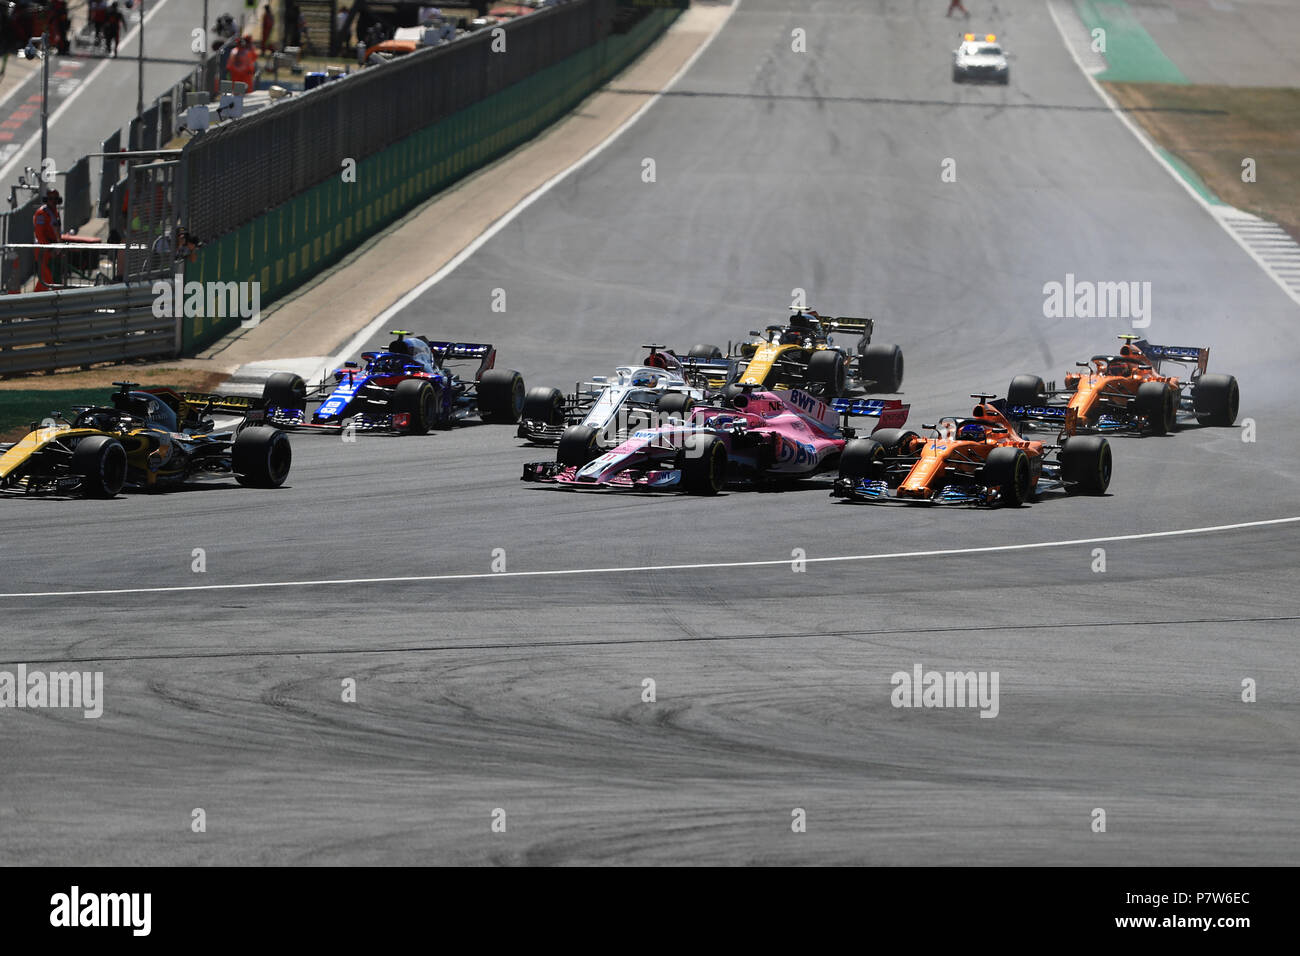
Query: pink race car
(753,436)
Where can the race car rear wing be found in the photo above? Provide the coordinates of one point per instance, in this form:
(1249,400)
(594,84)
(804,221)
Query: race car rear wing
(235,404)
(481,352)
(891,412)
(1185,354)
(714,374)
(847,323)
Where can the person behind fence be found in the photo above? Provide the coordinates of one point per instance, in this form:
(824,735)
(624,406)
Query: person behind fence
(113,23)
(242,64)
(268,24)
(62,22)
(47,228)
(187,247)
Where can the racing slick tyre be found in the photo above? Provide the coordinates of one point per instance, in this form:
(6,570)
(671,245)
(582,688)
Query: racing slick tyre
(704,352)
(261,457)
(1026,390)
(704,473)
(892,438)
(676,404)
(100,462)
(863,458)
(578,445)
(882,365)
(416,398)
(1158,403)
(956,76)
(826,369)
(501,395)
(1085,465)
(1007,470)
(285,390)
(545,405)
(1005,78)
(1216,399)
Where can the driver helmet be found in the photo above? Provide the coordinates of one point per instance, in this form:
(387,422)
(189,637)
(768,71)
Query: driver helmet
(645,380)
(791,337)
(805,321)
(972,431)
(150,408)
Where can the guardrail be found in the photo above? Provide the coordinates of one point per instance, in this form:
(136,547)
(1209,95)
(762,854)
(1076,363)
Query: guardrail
(70,327)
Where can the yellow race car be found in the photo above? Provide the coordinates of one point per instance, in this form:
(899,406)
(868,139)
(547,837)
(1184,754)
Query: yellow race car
(804,354)
(149,438)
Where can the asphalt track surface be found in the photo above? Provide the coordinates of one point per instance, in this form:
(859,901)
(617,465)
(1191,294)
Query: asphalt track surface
(1119,690)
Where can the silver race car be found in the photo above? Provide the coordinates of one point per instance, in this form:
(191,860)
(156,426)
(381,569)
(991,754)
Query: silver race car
(602,412)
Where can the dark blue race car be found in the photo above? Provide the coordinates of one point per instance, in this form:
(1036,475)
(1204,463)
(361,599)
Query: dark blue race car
(409,388)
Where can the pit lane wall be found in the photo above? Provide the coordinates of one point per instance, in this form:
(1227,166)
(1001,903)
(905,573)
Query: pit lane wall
(286,245)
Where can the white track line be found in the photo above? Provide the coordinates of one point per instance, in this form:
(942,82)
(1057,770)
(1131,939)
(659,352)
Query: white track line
(570,572)
(384,318)
(35,140)
(1229,218)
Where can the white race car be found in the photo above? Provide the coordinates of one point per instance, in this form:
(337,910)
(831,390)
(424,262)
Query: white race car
(980,60)
(602,412)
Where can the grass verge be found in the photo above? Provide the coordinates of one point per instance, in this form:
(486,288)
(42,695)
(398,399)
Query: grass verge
(1213,129)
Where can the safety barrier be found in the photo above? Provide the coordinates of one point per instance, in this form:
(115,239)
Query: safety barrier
(109,323)
(293,241)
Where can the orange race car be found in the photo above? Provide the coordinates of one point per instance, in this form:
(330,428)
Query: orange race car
(1128,392)
(980,460)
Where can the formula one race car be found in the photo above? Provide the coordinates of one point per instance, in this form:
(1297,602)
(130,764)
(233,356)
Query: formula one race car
(149,438)
(753,435)
(1128,392)
(980,60)
(803,354)
(979,460)
(604,411)
(409,388)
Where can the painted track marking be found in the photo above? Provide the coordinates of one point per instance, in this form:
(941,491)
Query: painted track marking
(644,569)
